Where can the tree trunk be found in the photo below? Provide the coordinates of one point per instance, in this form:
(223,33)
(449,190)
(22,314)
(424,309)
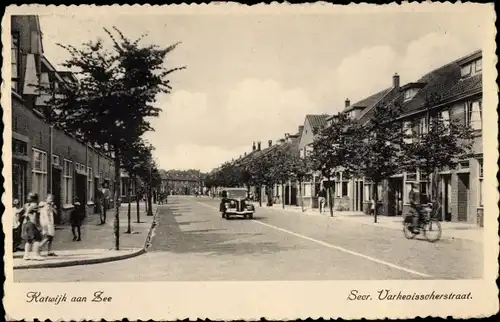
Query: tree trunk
(330,197)
(283,195)
(129,210)
(301,200)
(137,201)
(150,203)
(375,200)
(260,195)
(116,225)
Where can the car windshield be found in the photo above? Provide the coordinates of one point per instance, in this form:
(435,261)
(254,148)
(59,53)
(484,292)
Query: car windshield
(236,193)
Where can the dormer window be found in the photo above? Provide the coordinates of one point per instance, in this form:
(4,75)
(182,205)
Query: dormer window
(472,68)
(410,93)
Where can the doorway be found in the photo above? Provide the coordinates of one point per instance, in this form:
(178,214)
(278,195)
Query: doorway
(463,196)
(395,197)
(358,195)
(81,188)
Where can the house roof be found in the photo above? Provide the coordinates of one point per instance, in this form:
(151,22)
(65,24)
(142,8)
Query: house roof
(367,102)
(436,87)
(317,121)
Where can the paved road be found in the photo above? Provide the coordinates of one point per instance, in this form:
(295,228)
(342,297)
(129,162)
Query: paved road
(193,243)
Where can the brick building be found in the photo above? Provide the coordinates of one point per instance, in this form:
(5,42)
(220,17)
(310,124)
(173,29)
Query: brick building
(46,159)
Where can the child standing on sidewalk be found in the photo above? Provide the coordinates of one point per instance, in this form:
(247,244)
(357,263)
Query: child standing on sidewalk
(30,229)
(76,220)
(47,211)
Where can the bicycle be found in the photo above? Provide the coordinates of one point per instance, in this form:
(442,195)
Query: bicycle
(428,223)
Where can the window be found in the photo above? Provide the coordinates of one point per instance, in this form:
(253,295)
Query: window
(411,175)
(473,115)
(422,126)
(409,93)
(90,184)
(480,170)
(368,191)
(466,70)
(345,185)
(55,160)
(445,118)
(68,182)
(15,62)
(479,65)
(19,147)
(408,132)
(40,173)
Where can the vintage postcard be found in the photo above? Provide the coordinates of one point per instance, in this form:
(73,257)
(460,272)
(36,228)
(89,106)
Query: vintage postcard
(229,162)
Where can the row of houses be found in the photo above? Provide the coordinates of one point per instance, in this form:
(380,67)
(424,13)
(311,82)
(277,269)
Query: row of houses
(452,92)
(181,182)
(45,158)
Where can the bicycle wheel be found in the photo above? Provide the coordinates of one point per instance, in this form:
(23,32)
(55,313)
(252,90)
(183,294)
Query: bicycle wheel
(432,230)
(409,234)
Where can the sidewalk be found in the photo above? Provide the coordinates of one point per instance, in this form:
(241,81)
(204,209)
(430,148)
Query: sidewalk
(451,230)
(98,241)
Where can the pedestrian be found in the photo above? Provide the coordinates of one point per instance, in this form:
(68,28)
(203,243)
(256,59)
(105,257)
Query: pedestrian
(105,201)
(322,199)
(76,220)
(30,229)
(16,225)
(47,211)
(372,207)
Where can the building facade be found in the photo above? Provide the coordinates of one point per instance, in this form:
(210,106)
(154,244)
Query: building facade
(181,182)
(46,159)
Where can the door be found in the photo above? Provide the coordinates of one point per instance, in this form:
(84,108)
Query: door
(395,196)
(81,188)
(463,196)
(446,198)
(361,196)
(19,180)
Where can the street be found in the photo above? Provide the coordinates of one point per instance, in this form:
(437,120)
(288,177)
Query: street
(193,243)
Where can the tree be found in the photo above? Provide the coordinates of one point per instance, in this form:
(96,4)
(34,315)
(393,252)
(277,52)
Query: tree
(135,159)
(279,170)
(439,146)
(113,100)
(332,150)
(378,147)
(259,170)
(300,168)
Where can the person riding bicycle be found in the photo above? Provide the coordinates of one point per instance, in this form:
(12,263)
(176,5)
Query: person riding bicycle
(414,197)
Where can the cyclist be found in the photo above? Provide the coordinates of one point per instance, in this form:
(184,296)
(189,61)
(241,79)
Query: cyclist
(414,197)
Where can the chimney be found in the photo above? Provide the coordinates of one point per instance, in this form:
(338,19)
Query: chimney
(301,128)
(287,135)
(395,80)
(245,154)
(258,146)
(347,102)
(253,146)
(270,143)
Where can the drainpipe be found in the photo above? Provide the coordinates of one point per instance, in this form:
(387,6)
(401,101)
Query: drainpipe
(49,158)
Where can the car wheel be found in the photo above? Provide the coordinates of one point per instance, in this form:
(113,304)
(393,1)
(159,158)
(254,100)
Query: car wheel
(250,216)
(227,217)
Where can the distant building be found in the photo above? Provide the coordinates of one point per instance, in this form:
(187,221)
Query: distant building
(181,182)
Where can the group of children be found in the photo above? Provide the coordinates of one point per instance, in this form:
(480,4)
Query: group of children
(34,225)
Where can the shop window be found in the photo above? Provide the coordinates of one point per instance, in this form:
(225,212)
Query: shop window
(40,173)
(19,181)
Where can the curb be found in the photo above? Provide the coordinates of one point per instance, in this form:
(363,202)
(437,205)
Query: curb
(90,261)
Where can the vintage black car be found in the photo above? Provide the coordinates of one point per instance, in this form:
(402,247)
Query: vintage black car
(235,203)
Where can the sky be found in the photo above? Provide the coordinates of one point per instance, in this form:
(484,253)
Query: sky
(254,77)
